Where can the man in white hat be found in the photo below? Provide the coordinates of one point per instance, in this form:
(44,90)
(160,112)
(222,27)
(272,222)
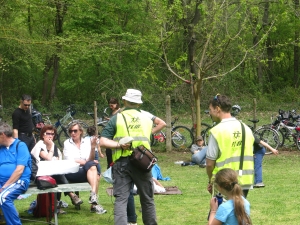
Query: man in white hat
(133,123)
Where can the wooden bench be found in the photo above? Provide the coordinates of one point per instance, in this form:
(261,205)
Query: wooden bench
(60,188)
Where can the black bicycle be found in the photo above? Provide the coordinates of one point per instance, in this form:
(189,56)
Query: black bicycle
(181,136)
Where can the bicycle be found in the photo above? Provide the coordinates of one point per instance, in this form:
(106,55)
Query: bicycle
(62,129)
(181,136)
(288,131)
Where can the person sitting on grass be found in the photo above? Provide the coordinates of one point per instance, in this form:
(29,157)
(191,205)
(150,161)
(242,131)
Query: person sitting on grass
(199,152)
(236,210)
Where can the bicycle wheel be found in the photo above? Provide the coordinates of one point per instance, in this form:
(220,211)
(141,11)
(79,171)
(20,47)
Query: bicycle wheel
(298,141)
(182,137)
(268,135)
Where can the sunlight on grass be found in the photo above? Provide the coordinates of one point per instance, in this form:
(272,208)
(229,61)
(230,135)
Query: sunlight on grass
(277,203)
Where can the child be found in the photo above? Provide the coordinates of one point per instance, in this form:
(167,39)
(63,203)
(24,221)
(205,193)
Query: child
(236,210)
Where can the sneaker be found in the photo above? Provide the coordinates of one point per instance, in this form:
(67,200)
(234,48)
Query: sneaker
(202,165)
(93,199)
(130,223)
(259,185)
(60,211)
(98,209)
(76,200)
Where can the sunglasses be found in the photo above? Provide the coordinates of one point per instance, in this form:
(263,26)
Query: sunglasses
(217,99)
(26,105)
(50,134)
(71,131)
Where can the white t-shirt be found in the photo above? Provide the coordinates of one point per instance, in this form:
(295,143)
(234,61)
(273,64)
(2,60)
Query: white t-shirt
(71,152)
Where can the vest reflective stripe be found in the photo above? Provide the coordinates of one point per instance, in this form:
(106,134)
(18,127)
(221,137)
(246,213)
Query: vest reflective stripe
(228,134)
(139,127)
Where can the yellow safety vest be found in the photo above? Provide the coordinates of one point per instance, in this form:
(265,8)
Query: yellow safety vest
(228,134)
(139,127)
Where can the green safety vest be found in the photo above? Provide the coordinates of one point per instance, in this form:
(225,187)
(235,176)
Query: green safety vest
(139,127)
(229,138)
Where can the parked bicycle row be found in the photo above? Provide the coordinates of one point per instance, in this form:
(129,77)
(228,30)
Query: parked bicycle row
(284,131)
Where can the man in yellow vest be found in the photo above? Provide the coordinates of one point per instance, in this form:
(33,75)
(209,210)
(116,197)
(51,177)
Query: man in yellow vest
(225,145)
(129,123)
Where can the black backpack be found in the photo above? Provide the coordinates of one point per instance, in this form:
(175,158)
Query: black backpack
(33,167)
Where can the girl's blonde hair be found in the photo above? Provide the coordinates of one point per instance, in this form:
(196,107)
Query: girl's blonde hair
(228,180)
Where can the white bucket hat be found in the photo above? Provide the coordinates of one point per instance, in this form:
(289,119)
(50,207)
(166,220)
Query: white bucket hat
(133,95)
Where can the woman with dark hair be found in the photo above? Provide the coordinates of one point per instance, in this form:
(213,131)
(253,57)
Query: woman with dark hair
(46,150)
(236,210)
(115,108)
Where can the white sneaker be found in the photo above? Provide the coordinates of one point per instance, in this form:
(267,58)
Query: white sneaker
(131,223)
(98,209)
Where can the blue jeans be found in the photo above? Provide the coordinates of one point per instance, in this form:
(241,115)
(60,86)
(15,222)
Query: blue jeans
(258,158)
(131,215)
(199,157)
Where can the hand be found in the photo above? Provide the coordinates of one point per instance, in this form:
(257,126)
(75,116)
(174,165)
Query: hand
(275,151)
(101,155)
(213,204)
(209,188)
(94,140)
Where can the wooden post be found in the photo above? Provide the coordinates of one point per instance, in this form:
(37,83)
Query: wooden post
(95,116)
(254,113)
(168,122)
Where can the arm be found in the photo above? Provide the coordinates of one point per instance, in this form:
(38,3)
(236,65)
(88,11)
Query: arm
(15,133)
(93,147)
(15,176)
(213,209)
(160,124)
(266,145)
(45,154)
(107,143)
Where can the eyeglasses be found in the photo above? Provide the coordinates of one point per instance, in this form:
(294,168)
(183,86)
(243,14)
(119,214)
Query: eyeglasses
(26,105)
(50,134)
(216,98)
(71,131)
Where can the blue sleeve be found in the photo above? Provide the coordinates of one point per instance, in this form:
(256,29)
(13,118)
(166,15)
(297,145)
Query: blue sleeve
(23,154)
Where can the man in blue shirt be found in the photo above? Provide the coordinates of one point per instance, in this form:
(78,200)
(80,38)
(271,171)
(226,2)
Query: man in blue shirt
(15,163)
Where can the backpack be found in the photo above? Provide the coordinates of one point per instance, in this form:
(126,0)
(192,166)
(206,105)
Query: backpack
(44,182)
(44,206)
(34,164)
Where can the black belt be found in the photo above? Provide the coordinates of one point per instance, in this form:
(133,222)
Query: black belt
(27,134)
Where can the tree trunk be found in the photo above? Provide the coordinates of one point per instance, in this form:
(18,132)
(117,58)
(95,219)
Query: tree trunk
(296,47)
(55,75)
(61,10)
(48,65)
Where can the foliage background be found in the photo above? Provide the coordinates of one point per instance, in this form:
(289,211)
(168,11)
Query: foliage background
(66,51)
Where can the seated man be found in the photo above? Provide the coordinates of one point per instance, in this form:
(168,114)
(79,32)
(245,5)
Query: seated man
(199,152)
(15,163)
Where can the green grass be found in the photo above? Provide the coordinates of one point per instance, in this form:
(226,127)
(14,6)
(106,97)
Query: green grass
(277,203)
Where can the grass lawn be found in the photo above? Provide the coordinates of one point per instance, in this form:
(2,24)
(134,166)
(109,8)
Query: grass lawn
(277,203)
